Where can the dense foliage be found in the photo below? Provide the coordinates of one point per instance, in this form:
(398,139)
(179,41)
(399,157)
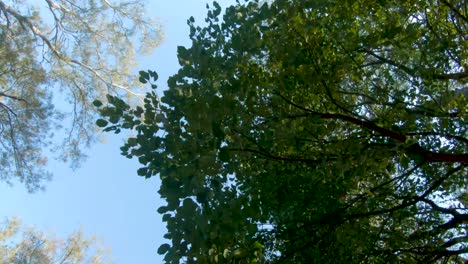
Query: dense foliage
(73,51)
(321,131)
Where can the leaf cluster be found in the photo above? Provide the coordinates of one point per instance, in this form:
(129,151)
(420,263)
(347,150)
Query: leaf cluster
(313,132)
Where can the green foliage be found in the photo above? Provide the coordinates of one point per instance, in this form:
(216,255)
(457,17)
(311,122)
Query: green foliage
(101,123)
(163,249)
(312,132)
(75,51)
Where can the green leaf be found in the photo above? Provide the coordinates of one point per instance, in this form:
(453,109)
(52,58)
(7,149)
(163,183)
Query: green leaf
(101,123)
(163,249)
(144,77)
(162,209)
(114,119)
(224,154)
(97,103)
(142,171)
(166,217)
(217,131)
(153,74)
(257,245)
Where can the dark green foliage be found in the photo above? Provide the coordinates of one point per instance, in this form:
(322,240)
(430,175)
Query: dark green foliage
(312,132)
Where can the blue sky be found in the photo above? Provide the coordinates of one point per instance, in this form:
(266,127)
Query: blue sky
(105,196)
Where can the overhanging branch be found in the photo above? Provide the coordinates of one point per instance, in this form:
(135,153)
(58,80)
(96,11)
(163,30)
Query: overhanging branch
(368,125)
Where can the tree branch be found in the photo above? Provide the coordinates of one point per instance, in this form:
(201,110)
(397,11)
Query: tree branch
(413,201)
(455,10)
(26,23)
(13,97)
(279,158)
(414,148)
(441,209)
(446,76)
(449,136)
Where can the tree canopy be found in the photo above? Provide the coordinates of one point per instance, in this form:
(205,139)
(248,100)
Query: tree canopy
(72,52)
(24,245)
(318,131)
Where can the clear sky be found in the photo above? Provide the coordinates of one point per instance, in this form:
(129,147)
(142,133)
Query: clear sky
(105,196)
